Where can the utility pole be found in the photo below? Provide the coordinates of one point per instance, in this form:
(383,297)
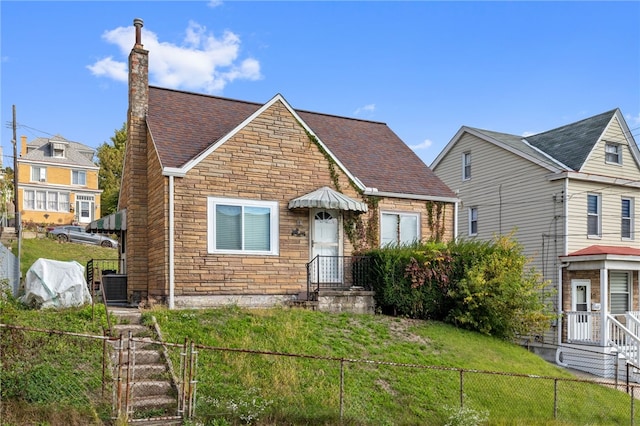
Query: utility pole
(18,224)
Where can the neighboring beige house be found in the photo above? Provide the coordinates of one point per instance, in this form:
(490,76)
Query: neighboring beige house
(57,182)
(256,204)
(569,195)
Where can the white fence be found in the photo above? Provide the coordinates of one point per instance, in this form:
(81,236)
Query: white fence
(9,269)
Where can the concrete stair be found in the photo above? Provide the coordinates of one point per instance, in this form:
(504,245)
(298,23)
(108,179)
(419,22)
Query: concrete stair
(140,363)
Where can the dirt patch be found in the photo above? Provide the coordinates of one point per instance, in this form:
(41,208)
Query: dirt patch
(401,328)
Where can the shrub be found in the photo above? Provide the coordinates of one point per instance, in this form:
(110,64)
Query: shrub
(480,286)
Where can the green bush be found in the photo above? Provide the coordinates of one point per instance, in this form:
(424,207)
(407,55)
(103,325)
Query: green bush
(480,286)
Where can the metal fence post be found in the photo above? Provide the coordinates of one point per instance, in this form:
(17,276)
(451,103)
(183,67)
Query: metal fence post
(341,388)
(555,399)
(461,388)
(633,398)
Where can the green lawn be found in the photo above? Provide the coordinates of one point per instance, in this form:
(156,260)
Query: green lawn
(393,371)
(50,248)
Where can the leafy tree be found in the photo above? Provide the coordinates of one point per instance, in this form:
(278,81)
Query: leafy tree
(110,159)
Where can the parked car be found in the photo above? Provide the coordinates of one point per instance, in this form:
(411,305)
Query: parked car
(78,234)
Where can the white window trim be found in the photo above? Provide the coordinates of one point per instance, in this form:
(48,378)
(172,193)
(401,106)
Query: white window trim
(59,201)
(470,211)
(598,214)
(211,225)
(618,152)
(466,155)
(631,218)
(629,291)
(78,172)
(399,214)
(42,173)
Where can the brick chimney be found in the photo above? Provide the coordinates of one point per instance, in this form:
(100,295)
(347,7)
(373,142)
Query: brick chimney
(23,146)
(134,188)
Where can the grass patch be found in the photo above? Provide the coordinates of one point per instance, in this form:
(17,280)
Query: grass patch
(270,389)
(49,248)
(48,378)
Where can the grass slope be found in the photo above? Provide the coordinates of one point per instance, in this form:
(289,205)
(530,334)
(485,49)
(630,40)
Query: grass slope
(289,390)
(49,248)
(246,388)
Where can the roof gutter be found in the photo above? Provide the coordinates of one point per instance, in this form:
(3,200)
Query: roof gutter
(375,192)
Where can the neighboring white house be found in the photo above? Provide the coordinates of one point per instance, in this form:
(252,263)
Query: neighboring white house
(569,195)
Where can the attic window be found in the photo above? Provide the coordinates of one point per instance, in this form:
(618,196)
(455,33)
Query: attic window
(613,153)
(57,149)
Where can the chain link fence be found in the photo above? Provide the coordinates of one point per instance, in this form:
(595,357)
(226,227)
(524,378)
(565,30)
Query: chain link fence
(71,379)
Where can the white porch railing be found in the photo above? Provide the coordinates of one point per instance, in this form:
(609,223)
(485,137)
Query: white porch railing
(584,327)
(623,339)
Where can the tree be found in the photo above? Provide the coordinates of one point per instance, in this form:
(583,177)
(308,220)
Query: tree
(110,160)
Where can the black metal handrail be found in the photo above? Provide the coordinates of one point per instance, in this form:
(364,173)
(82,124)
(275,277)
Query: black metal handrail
(337,273)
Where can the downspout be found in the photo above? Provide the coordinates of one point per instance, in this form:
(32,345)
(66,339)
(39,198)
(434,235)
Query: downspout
(559,359)
(455,220)
(171,245)
(560,310)
(604,304)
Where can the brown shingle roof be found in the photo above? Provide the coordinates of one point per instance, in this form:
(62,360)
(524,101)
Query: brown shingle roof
(185,124)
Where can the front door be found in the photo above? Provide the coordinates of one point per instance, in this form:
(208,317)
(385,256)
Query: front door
(326,246)
(84,208)
(580,322)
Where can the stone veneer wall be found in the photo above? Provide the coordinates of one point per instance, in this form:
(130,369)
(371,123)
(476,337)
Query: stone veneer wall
(271,159)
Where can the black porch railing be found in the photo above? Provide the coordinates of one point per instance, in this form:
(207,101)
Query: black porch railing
(337,273)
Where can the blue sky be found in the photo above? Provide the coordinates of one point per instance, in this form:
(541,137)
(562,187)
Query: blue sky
(424,68)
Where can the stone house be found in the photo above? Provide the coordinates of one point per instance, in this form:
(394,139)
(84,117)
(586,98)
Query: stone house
(234,202)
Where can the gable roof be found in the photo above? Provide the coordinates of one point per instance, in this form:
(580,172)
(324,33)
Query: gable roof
(76,153)
(184,125)
(565,148)
(571,144)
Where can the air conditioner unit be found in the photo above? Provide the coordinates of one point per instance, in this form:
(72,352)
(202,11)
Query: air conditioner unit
(43,180)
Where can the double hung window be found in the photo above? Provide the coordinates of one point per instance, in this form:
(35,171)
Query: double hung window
(473,221)
(466,166)
(613,153)
(38,174)
(78,177)
(626,217)
(594,210)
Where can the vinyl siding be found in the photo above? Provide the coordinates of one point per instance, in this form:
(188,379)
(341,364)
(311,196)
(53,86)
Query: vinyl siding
(511,194)
(596,163)
(611,196)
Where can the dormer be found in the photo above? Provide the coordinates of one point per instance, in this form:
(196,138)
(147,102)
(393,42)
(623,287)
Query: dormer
(58,148)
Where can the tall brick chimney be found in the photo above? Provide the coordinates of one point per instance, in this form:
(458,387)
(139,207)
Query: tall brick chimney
(23,146)
(134,188)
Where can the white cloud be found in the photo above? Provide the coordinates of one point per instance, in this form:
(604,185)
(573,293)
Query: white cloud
(424,145)
(365,109)
(107,67)
(525,134)
(201,62)
(214,3)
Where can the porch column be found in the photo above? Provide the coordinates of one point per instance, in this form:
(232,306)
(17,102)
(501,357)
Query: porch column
(604,306)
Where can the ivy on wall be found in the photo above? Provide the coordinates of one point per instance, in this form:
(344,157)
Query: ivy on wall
(362,234)
(436,219)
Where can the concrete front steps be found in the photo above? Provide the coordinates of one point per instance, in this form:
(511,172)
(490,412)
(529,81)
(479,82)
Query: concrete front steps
(147,379)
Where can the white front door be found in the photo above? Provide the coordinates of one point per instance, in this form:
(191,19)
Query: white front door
(84,208)
(580,323)
(325,243)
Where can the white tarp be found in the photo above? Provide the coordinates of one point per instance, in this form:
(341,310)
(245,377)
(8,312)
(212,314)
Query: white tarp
(55,284)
